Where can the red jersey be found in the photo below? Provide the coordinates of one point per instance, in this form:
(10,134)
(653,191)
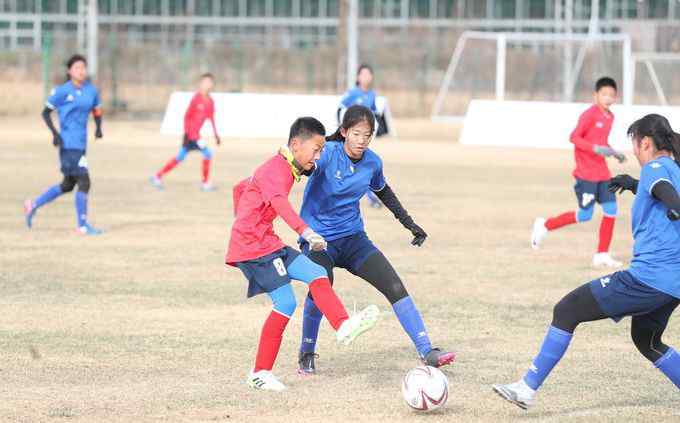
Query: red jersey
(594,126)
(258,200)
(200,109)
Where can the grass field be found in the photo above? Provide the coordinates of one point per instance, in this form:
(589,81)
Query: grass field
(146,324)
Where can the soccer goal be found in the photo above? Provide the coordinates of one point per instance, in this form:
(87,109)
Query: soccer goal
(531,66)
(658,70)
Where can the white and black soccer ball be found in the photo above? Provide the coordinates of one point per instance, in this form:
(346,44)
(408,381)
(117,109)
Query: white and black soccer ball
(425,388)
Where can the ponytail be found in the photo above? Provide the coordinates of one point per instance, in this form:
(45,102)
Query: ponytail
(657,128)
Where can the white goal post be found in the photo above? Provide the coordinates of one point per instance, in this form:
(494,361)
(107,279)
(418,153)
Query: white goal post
(648,59)
(571,68)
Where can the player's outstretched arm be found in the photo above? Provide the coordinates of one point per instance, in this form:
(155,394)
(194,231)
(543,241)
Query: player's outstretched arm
(666,193)
(623,183)
(56,138)
(390,200)
(283,208)
(98,113)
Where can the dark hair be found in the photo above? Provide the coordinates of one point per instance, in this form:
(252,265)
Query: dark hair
(353,116)
(72,61)
(305,128)
(659,130)
(362,67)
(208,75)
(605,81)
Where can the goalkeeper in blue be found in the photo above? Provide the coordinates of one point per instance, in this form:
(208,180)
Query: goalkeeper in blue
(345,172)
(649,291)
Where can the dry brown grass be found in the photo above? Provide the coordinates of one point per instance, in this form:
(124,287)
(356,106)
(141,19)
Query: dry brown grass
(146,324)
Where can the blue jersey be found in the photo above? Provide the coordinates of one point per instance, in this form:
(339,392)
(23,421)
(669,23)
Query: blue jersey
(74,105)
(358,96)
(331,201)
(656,252)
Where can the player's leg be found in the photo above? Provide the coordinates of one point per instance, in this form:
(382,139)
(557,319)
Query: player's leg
(646,331)
(609,210)
(156,180)
(348,329)
(378,271)
(205,169)
(311,318)
(32,206)
(576,307)
(81,199)
(586,194)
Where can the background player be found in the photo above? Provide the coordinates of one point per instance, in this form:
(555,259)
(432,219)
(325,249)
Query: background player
(269,265)
(649,291)
(201,108)
(345,172)
(73,101)
(362,94)
(591,146)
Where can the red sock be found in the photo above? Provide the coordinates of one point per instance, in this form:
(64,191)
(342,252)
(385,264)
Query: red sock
(562,220)
(168,167)
(270,340)
(206,170)
(324,297)
(606,233)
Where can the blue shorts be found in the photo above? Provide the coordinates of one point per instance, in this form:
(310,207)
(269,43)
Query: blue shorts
(621,294)
(349,252)
(73,162)
(587,193)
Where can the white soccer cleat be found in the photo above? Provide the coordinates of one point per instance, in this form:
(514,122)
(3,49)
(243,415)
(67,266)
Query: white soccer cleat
(357,324)
(208,187)
(264,380)
(605,260)
(156,182)
(518,393)
(538,233)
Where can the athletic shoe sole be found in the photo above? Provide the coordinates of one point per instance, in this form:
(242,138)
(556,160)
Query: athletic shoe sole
(506,395)
(368,319)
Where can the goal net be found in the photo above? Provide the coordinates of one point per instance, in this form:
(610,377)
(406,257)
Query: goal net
(655,78)
(531,66)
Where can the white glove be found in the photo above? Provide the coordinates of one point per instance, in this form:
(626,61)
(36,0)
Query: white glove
(315,241)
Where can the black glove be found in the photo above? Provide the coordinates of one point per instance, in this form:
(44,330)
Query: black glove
(56,140)
(419,234)
(622,183)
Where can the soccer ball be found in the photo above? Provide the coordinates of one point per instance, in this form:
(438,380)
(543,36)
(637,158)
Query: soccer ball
(425,388)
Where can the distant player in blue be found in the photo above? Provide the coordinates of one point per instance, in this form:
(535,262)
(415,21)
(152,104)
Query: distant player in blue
(649,290)
(363,95)
(345,172)
(73,101)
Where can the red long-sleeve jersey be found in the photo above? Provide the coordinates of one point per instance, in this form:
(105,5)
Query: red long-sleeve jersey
(200,109)
(593,128)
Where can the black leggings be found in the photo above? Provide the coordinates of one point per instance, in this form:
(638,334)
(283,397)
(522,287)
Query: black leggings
(580,306)
(376,270)
(70,181)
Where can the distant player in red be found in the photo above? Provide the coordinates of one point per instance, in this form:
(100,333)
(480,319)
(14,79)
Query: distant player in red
(269,265)
(201,108)
(591,147)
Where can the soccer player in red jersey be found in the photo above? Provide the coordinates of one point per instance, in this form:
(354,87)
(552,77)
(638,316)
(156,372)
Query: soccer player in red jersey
(201,108)
(591,147)
(269,265)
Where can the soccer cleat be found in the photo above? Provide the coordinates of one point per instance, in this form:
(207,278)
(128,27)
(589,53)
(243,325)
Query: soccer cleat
(208,187)
(87,229)
(518,393)
(606,260)
(538,233)
(357,324)
(29,212)
(439,358)
(306,363)
(264,380)
(156,182)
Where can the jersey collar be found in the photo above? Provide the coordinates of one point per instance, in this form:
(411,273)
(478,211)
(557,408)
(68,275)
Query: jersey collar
(295,167)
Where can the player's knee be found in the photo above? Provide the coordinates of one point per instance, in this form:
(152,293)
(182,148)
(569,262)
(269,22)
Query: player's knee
(286,304)
(610,209)
(84,183)
(316,271)
(584,215)
(181,155)
(396,291)
(564,315)
(647,341)
(68,184)
(207,153)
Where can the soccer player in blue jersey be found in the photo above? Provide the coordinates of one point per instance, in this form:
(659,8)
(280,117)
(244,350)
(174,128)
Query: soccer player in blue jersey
(345,172)
(649,290)
(362,94)
(73,101)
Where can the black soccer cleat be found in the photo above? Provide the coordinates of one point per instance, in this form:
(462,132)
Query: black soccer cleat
(306,365)
(439,358)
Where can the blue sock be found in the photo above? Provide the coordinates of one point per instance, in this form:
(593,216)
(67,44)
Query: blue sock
(412,322)
(669,364)
(554,346)
(48,196)
(311,320)
(81,208)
